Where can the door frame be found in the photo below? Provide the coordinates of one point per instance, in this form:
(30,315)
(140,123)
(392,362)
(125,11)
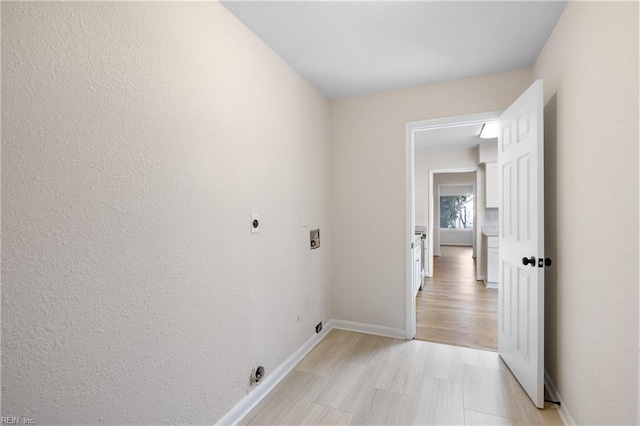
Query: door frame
(410,202)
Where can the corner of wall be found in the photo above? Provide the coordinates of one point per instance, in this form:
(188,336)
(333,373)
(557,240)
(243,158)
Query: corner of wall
(563,410)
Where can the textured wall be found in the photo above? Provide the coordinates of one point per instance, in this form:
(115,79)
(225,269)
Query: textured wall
(137,138)
(590,72)
(0,215)
(368,186)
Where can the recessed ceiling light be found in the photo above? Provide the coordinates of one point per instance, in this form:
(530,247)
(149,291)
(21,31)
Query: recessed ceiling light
(489,130)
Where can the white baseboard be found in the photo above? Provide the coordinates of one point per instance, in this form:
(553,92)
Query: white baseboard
(553,393)
(376,330)
(248,403)
(488,284)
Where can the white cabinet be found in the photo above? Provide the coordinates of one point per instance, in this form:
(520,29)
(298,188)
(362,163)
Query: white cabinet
(491,185)
(492,262)
(417,265)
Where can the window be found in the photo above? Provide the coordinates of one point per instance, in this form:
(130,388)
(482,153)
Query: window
(456,211)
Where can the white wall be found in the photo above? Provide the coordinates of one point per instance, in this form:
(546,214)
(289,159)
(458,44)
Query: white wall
(456,237)
(488,151)
(368,186)
(590,72)
(458,189)
(137,138)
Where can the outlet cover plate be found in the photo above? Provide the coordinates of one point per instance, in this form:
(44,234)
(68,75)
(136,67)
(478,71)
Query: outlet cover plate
(255,223)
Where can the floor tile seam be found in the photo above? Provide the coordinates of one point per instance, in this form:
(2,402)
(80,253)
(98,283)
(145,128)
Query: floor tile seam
(492,414)
(427,376)
(512,408)
(318,386)
(393,392)
(441,379)
(510,401)
(348,361)
(507,391)
(464,403)
(484,366)
(419,338)
(358,362)
(331,380)
(431,376)
(332,408)
(314,373)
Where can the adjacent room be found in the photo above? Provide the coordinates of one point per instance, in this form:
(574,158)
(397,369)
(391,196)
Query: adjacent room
(209,212)
(458,300)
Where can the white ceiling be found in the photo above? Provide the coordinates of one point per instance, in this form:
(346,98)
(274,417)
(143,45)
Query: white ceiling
(448,138)
(352,48)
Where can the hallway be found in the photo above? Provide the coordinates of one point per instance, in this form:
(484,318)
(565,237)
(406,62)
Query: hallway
(453,307)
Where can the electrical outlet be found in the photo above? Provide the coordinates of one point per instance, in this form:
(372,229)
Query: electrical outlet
(256,375)
(255,223)
(314,236)
(319,327)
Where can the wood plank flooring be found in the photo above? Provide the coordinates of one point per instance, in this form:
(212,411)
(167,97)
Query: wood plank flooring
(453,307)
(352,378)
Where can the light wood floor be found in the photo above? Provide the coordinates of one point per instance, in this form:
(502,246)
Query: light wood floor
(352,378)
(453,307)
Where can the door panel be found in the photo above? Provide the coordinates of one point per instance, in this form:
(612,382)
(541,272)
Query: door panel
(506,289)
(521,303)
(505,212)
(524,177)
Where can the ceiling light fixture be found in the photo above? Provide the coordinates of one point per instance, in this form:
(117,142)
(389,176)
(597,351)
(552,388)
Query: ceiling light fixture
(489,130)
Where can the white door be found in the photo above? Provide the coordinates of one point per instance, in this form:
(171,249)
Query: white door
(521,286)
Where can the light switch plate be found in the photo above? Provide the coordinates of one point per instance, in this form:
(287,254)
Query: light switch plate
(255,223)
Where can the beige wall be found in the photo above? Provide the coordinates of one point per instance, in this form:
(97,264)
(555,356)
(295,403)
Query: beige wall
(137,139)
(434,159)
(0,219)
(368,186)
(590,72)
(134,148)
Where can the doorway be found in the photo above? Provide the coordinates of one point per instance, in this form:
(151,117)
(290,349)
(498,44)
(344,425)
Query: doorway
(455,307)
(452,209)
(519,236)
(419,204)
